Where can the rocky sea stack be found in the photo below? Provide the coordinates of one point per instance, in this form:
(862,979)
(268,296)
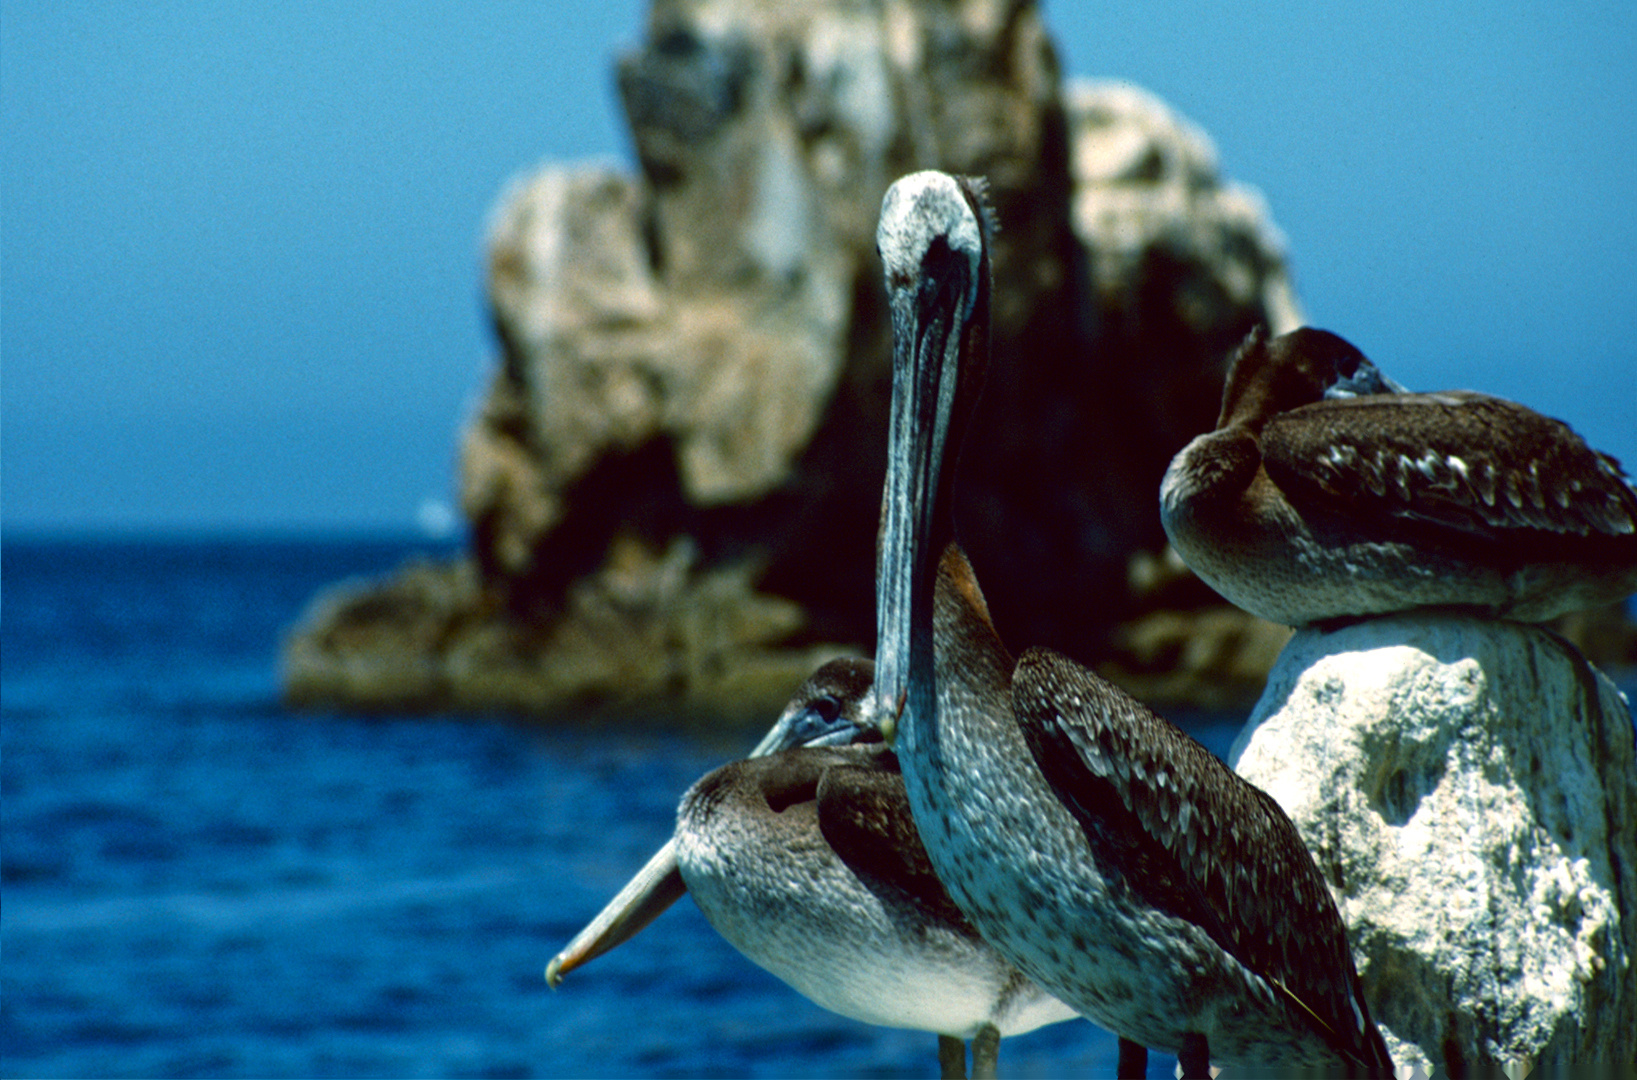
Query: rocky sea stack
(671,487)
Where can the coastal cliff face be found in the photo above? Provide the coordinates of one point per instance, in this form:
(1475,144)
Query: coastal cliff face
(1467,787)
(673,482)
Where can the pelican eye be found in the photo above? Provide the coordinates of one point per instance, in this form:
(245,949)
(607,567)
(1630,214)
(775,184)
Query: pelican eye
(819,723)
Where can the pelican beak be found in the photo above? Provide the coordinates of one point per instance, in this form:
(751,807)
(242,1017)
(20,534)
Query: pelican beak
(904,534)
(808,722)
(892,710)
(655,887)
(1365,381)
(931,251)
(900,581)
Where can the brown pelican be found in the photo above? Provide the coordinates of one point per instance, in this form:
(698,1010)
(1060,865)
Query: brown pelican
(806,861)
(1328,491)
(1109,856)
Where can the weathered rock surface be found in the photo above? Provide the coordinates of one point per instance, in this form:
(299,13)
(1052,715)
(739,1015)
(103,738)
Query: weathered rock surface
(647,627)
(700,355)
(1468,788)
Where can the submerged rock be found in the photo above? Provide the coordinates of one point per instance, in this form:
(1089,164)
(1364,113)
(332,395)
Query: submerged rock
(700,354)
(1468,788)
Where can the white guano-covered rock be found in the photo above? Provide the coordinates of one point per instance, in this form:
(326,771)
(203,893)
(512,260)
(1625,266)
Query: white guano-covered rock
(1467,787)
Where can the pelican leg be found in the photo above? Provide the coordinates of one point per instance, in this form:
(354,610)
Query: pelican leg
(1195,1057)
(985,1052)
(951,1058)
(1133,1063)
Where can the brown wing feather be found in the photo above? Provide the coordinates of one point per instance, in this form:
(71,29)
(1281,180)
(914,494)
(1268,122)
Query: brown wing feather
(863,812)
(1194,839)
(1463,461)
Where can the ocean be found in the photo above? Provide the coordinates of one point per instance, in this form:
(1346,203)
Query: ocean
(199,882)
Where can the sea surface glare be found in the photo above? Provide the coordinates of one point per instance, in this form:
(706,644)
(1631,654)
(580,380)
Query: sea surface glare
(198,882)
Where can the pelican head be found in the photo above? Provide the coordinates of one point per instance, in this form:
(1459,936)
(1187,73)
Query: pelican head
(933,239)
(826,710)
(1298,368)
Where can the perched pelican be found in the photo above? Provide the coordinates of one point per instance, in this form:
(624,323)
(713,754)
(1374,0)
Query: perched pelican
(806,861)
(1328,491)
(1109,856)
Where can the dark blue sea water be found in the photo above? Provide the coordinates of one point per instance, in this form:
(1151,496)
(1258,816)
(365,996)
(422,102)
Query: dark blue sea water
(200,883)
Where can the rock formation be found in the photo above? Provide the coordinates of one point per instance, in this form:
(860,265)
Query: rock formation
(1468,787)
(687,428)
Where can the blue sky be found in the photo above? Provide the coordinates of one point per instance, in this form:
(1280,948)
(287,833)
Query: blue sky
(240,249)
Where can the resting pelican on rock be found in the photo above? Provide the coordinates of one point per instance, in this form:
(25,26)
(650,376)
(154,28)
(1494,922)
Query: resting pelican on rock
(806,860)
(1109,856)
(1328,491)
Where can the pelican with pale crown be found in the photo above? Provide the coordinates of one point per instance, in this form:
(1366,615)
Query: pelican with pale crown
(1106,854)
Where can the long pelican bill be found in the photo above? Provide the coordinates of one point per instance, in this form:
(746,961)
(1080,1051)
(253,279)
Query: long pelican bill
(655,887)
(931,246)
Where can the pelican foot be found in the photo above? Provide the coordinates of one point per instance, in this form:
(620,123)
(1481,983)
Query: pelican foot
(1195,1057)
(1133,1063)
(951,1058)
(985,1052)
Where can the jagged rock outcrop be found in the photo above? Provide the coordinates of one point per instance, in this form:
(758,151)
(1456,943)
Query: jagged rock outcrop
(700,355)
(1467,786)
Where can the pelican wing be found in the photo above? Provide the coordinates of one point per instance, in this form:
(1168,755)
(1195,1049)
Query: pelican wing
(1469,462)
(1172,822)
(863,812)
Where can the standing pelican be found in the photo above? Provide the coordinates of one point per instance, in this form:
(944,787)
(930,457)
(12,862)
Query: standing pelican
(806,861)
(1109,856)
(1328,491)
